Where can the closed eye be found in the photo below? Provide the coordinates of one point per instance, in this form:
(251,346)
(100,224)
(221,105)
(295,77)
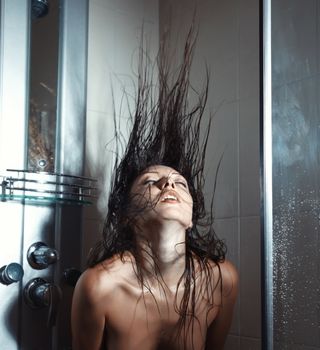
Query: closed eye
(184,184)
(179,180)
(149,182)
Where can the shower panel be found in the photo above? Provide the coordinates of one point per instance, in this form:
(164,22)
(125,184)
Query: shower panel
(42,131)
(292,242)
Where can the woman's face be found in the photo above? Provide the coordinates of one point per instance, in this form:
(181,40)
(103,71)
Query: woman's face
(162,194)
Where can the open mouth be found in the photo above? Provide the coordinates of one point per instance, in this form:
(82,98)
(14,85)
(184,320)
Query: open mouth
(169,198)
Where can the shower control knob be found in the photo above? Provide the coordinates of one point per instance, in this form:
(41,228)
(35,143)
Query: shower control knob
(11,273)
(40,256)
(38,294)
(71,276)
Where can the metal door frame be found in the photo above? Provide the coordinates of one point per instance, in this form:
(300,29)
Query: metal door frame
(266,174)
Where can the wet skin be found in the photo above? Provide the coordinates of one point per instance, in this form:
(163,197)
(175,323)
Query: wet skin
(109,304)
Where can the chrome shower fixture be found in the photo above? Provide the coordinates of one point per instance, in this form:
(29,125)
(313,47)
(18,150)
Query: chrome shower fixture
(39,8)
(11,273)
(40,256)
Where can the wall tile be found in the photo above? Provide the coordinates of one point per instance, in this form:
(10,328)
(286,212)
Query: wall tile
(100,154)
(249,84)
(250,344)
(249,156)
(224,80)
(232,343)
(248,17)
(100,58)
(223,142)
(250,285)
(127,7)
(114,38)
(228,231)
(114,35)
(248,48)
(219,26)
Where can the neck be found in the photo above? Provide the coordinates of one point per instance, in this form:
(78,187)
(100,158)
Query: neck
(162,251)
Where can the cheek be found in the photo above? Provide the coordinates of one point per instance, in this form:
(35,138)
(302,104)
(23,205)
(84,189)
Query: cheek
(143,199)
(190,216)
(187,198)
(189,208)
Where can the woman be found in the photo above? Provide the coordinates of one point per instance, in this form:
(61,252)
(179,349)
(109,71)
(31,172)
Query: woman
(158,279)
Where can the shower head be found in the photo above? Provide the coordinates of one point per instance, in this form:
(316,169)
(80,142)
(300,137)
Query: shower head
(39,8)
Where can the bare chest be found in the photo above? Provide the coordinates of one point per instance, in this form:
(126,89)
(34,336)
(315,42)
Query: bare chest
(150,321)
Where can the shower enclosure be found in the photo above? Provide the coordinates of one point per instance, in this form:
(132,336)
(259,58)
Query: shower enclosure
(42,131)
(43,51)
(291,164)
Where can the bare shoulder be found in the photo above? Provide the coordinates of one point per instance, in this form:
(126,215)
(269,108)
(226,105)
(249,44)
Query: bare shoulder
(220,325)
(230,278)
(90,304)
(98,281)
(226,272)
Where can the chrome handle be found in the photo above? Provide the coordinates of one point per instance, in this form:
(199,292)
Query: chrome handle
(36,293)
(71,276)
(11,273)
(40,256)
(39,293)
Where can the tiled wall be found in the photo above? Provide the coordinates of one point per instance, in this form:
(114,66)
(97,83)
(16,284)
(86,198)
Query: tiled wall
(228,43)
(114,37)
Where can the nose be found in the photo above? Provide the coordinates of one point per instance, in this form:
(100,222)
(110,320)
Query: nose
(167,182)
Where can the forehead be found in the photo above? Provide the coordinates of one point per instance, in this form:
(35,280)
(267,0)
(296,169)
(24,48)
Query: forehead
(161,170)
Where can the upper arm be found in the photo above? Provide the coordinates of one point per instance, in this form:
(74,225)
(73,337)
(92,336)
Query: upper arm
(88,313)
(219,328)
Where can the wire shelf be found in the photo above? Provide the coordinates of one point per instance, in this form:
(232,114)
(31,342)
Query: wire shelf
(47,188)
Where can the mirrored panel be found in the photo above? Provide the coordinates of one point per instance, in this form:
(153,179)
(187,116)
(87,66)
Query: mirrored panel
(44,50)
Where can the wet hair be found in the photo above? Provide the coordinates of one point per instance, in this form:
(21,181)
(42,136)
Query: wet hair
(166,130)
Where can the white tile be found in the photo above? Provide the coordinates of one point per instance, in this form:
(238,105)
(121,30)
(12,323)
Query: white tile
(228,231)
(232,343)
(219,24)
(114,39)
(151,10)
(100,58)
(121,6)
(100,151)
(249,156)
(250,279)
(224,79)
(248,12)
(249,66)
(249,70)
(250,343)
(216,44)
(223,142)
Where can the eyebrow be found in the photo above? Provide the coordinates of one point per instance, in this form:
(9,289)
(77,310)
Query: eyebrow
(156,172)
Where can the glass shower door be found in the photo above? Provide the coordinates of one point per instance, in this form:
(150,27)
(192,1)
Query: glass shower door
(292,249)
